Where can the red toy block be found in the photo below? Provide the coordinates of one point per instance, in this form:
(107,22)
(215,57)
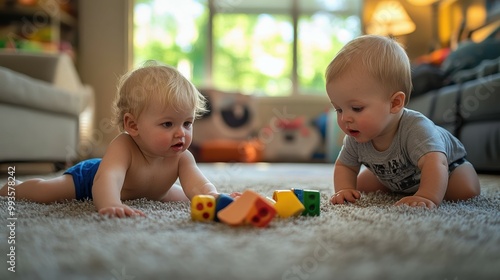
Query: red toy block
(262,213)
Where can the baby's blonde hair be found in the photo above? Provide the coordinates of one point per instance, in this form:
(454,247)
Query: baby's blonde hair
(155,82)
(382,57)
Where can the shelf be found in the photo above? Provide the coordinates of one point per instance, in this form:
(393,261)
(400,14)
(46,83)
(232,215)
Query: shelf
(42,27)
(36,14)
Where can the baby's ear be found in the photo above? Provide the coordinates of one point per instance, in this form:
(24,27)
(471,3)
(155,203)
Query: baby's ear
(397,101)
(130,124)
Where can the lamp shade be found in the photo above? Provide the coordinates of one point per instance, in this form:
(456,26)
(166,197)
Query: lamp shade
(390,19)
(421,2)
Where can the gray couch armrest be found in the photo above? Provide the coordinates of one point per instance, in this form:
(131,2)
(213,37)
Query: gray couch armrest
(56,69)
(24,91)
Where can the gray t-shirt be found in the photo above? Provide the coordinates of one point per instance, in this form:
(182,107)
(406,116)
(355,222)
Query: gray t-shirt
(397,166)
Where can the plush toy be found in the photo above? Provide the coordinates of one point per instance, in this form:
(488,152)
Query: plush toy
(231,116)
(224,133)
(290,139)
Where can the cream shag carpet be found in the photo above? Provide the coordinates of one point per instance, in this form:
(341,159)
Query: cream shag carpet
(368,240)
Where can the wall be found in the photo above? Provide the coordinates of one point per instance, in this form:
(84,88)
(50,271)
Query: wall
(103,55)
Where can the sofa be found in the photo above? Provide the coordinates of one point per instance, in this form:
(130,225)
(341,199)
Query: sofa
(43,105)
(469,107)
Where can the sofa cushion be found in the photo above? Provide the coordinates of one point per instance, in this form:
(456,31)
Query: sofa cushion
(485,68)
(480,98)
(481,140)
(19,89)
(470,54)
(445,109)
(423,103)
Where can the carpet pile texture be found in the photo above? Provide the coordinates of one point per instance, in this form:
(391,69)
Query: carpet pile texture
(371,239)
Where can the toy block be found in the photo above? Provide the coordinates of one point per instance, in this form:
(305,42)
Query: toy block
(221,202)
(287,203)
(311,203)
(236,212)
(239,210)
(300,194)
(203,208)
(262,213)
(270,200)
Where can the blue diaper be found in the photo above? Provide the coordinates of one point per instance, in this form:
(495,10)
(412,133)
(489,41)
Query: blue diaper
(83,177)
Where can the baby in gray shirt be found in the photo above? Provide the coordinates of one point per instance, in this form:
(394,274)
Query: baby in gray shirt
(369,83)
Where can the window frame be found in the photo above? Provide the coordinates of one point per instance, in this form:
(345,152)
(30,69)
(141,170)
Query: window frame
(295,13)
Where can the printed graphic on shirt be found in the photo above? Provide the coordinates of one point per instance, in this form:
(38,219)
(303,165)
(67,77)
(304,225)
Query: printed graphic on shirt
(398,174)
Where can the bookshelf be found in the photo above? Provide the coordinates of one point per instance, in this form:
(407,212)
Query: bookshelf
(39,25)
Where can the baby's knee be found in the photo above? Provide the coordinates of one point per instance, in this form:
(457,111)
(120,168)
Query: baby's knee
(468,193)
(463,183)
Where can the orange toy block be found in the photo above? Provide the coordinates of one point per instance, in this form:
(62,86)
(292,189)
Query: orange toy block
(246,208)
(287,204)
(203,208)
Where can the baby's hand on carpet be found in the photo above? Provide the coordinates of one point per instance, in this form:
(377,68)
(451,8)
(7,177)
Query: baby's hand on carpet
(349,195)
(121,211)
(416,201)
(235,194)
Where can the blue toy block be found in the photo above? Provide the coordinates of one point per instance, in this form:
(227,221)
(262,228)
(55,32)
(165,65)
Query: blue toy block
(222,201)
(299,193)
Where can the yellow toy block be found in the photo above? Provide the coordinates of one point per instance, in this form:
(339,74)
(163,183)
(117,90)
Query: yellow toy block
(203,208)
(287,204)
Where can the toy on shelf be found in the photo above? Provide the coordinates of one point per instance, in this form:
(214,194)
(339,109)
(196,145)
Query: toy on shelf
(291,139)
(253,209)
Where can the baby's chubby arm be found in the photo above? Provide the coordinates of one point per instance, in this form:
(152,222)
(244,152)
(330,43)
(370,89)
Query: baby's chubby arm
(109,180)
(344,181)
(433,181)
(193,181)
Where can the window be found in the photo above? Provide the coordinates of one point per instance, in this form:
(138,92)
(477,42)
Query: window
(273,48)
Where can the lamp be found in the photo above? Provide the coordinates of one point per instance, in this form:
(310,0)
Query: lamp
(390,19)
(421,2)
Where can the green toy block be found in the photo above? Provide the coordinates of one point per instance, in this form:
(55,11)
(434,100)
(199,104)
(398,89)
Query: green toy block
(311,203)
